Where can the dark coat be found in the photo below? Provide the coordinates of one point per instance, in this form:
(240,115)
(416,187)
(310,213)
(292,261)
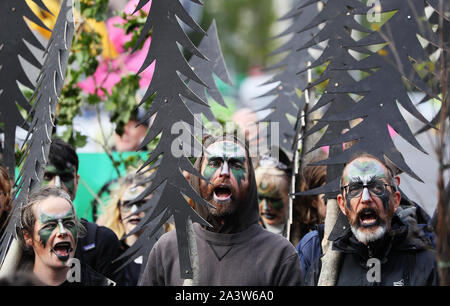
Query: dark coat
(406,258)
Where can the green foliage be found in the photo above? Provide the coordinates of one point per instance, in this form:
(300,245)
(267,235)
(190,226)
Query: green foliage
(95,9)
(245,28)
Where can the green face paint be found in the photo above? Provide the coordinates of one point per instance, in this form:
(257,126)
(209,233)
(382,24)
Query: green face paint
(66,177)
(223,156)
(271,195)
(50,222)
(364,171)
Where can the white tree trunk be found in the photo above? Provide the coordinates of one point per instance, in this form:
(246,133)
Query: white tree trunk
(331,259)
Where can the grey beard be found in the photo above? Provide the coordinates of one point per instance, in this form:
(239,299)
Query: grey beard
(369,236)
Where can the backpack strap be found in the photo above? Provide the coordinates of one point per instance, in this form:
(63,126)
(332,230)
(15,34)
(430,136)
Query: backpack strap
(88,242)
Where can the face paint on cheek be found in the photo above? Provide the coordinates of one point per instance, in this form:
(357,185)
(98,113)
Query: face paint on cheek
(278,205)
(239,174)
(44,235)
(209,172)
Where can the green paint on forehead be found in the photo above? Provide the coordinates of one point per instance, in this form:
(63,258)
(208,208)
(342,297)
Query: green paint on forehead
(364,170)
(225,149)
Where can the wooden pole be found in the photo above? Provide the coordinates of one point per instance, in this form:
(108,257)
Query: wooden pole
(331,259)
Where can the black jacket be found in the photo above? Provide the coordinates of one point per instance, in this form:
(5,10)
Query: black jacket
(89,277)
(98,249)
(406,259)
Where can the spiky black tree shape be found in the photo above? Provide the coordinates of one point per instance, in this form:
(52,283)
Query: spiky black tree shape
(385,87)
(339,19)
(44,101)
(206,69)
(14,39)
(434,78)
(286,101)
(168,87)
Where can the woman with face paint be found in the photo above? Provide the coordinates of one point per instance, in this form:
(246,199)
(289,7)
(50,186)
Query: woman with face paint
(121,217)
(272,181)
(50,230)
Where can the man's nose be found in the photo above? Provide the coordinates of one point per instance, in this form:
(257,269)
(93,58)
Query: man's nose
(225,171)
(365,195)
(55,182)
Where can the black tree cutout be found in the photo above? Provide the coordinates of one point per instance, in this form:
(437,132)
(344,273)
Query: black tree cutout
(14,39)
(286,101)
(384,86)
(44,101)
(434,78)
(206,69)
(167,87)
(339,18)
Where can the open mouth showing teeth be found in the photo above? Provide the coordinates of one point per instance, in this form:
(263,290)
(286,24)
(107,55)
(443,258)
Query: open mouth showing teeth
(62,249)
(222,193)
(368,217)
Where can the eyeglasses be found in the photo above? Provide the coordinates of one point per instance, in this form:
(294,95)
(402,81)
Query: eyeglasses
(354,190)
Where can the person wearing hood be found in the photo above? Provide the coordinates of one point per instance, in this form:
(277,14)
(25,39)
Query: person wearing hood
(380,246)
(236,250)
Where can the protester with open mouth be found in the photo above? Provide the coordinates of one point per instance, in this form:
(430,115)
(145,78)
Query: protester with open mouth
(236,250)
(369,199)
(50,230)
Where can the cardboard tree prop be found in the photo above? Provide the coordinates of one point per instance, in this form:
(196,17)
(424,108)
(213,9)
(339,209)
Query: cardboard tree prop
(42,115)
(16,39)
(387,68)
(286,102)
(169,90)
(206,70)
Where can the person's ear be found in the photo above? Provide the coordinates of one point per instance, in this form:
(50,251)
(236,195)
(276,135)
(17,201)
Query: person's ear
(27,238)
(397,180)
(341,203)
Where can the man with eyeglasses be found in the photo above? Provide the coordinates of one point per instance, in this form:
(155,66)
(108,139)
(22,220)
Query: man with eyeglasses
(379,248)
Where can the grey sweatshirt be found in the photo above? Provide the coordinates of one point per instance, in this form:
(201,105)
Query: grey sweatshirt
(253,257)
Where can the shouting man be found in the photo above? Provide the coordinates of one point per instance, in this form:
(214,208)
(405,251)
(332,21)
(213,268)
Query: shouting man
(379,248)
(236,250)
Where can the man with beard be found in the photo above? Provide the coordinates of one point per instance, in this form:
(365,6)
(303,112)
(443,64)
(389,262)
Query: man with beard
(236,250)
(379,247)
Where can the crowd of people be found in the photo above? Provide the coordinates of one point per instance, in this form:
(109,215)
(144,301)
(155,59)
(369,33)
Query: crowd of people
(247,242)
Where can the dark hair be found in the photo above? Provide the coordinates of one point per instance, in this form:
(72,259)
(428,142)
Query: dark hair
(306,214)
(61,154)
